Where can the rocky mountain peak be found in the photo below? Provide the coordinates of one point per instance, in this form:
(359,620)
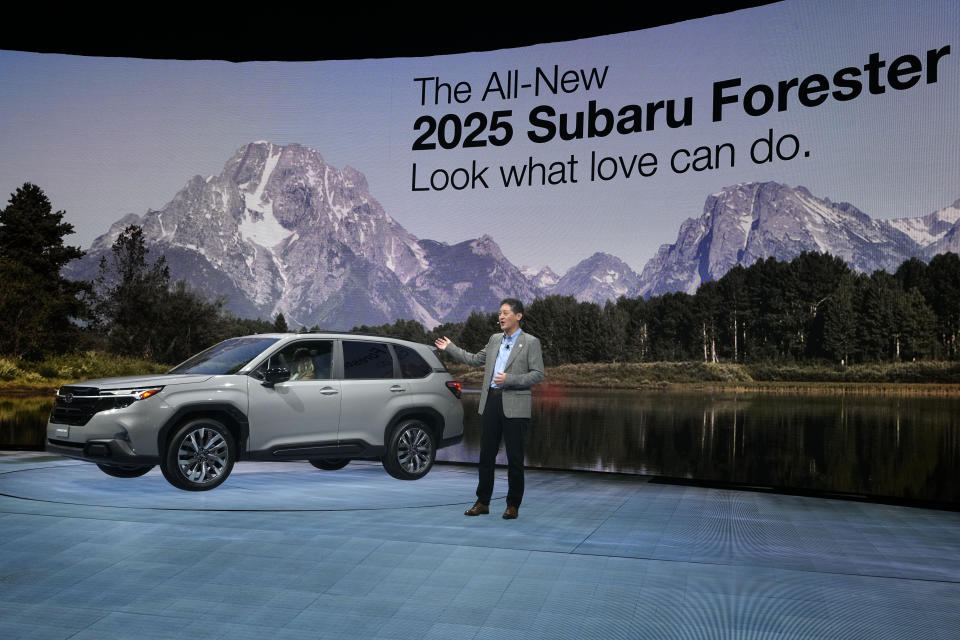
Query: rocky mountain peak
(599,278)
(750,221)
(280,230)
(543,280)
(105,242)
(930,230)
(485,245)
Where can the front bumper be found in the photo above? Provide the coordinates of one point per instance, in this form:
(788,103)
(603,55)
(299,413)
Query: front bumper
(102,451)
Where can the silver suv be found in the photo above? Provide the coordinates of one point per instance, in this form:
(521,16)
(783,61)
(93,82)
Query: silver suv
(323,397)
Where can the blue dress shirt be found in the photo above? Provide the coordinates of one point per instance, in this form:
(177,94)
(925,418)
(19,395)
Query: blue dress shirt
(503,355)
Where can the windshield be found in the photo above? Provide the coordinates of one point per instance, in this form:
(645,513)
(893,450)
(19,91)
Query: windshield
(226,357)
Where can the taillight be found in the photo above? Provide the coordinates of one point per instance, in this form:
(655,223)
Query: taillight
(455,388)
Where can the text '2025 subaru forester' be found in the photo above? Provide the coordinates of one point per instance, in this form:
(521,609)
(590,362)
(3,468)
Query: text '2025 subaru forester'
(323,397)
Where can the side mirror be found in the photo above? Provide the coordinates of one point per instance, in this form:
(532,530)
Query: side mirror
(273,376)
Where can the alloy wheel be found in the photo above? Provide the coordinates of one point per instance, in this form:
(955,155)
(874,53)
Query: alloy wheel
(202,455)
(414,450)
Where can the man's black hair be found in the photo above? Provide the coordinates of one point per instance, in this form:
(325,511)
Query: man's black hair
(515,305)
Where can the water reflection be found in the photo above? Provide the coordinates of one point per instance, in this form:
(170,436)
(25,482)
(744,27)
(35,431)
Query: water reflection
(902,447)
(23,421)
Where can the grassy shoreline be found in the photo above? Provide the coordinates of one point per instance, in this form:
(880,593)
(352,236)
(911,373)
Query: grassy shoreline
(25,378)
(19,378)
(928,378)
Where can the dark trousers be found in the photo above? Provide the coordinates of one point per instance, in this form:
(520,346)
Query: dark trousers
(496,427)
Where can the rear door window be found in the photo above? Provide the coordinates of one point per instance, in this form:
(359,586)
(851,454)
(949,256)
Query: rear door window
(366,360)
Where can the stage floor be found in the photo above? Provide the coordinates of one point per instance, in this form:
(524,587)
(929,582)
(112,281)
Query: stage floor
(287,551)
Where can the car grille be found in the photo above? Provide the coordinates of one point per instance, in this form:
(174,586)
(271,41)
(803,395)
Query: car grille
(76,405)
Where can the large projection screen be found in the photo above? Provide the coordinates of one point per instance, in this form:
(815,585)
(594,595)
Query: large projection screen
(676,152)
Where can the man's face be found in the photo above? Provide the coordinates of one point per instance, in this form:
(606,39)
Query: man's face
(509,321)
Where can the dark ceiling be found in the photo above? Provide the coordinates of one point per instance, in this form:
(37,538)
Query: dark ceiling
(313,32)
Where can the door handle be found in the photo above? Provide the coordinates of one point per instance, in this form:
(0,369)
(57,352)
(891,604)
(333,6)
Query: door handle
(328,391)
(397,389)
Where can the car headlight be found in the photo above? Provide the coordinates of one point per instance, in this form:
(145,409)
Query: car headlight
(126,397)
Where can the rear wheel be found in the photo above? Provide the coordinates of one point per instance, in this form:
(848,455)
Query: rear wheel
(200,455)
(411,451)
(125,470)
(330,464)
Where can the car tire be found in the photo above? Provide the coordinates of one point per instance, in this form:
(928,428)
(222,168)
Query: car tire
(199,456)
(330,464)
(411,450)
(125,470)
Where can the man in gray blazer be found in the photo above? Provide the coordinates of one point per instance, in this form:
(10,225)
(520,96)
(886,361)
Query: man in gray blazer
(512,363)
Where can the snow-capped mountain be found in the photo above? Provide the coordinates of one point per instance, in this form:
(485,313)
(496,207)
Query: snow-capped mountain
(543,280)
(928,229)
(937,232)
(747,222)
(279,230)
(468,276)
(599,278)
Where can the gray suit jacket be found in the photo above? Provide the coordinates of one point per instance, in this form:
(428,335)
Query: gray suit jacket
(524,369)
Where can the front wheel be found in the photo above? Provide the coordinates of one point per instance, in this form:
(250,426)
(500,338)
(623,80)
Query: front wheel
(125,470)
(200,455)
(330,464)
(411,451)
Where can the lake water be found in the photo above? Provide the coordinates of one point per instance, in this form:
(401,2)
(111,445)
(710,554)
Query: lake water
(899,447)
(904,447)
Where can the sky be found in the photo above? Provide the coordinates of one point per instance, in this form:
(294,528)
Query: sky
(105,137)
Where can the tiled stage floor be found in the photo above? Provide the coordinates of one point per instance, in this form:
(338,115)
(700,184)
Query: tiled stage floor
(287,551)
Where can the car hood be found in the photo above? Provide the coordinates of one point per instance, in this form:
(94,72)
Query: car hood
(142,381)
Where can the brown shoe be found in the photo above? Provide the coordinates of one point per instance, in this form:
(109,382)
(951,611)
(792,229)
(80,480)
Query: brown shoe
(511,513)
(477,509)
